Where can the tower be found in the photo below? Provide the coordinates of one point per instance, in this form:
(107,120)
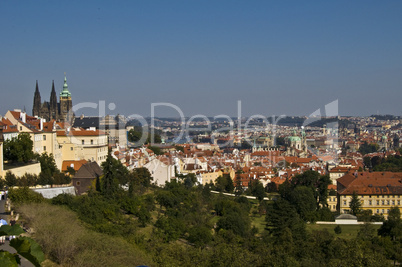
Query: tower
(53,108)
(37,102)
(1,150)
(66,105)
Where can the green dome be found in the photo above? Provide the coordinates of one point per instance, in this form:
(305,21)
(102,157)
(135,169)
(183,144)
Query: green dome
(294,138)
(65,92)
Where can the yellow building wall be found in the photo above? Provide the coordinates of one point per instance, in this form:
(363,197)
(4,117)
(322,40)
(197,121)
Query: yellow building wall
(210,177)
(378,204)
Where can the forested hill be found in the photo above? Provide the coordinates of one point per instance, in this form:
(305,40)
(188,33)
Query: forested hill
(186,225)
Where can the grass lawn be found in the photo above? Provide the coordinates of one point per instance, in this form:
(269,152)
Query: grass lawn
(348,231)
(259,222)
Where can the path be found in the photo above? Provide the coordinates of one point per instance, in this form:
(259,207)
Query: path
(6,246)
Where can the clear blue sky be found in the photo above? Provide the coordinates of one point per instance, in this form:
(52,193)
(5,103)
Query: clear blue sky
(277,57)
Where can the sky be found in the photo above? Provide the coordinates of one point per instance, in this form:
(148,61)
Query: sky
(276,57)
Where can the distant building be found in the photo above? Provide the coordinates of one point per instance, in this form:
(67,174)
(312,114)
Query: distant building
(377,191)
(113,126)
(82,144)
(53,110)
(86,177)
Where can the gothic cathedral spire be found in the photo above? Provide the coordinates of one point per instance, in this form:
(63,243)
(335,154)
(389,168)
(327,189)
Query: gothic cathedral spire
(53,109)
(37,102)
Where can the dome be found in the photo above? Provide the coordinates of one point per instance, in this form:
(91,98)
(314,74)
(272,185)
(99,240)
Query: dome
(294,138)
(65,92)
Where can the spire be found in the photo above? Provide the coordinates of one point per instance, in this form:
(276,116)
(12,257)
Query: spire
(53,112)
(65,92)
(37,101)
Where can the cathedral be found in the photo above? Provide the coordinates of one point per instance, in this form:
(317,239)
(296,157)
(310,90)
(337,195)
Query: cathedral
(53,110)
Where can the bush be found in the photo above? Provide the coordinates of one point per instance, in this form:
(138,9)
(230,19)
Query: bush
(66,242)
(24,195)
(338,230)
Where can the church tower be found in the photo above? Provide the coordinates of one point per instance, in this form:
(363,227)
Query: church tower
(37,102)
(53,109)
(66,105)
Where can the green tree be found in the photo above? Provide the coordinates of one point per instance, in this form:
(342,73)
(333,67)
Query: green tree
(303,199)
(392,227)
(156,150)
(134,135)
(280,215)
(235,222)
(110,183)
(271,187)
(224,184)
(10,179)
(257,189)
(25,195)
(366,148)
(316,182)
(338,230)
(19,149)
(355,204)
(200,236)
(25,247)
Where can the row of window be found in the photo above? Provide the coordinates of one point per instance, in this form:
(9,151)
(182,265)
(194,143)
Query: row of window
(83,142)
(382,196)
(383,202)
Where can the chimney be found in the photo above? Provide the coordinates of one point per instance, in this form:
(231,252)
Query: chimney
(23,117)
(41,124)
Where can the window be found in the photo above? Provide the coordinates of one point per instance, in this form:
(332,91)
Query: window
(382,210)
(20,128)
(387,202)
(399,202)
(71,148)
(370,202)
(387,211)
(78,183)
(44,137)
(44,148)
(92,142)
(344,202)
(378,211)
(82,142)
(378,202)
(393,202)
(383,202)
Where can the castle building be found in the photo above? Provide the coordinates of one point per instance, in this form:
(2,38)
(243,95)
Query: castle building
(53,110)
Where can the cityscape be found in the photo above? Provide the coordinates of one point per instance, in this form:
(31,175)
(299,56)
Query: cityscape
(201,134)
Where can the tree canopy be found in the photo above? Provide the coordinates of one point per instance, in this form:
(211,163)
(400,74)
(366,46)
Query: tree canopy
(19,149)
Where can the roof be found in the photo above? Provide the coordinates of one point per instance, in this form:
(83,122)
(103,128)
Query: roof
(89,170)
(371,183)
(86,122)
(76,164)
(81,133)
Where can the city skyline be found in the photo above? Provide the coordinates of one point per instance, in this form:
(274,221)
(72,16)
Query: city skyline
(276,58)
